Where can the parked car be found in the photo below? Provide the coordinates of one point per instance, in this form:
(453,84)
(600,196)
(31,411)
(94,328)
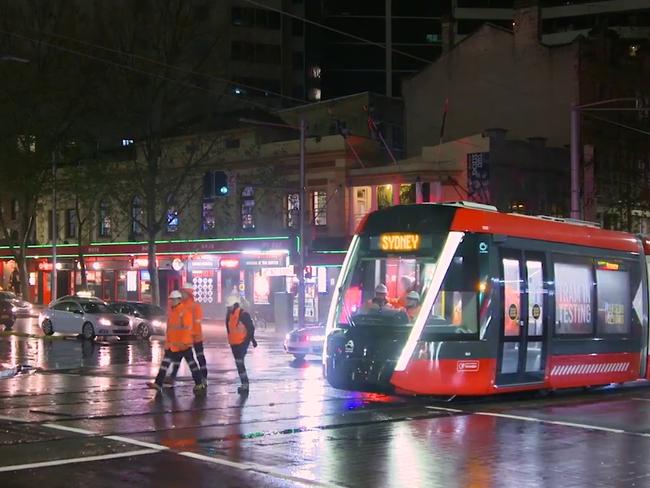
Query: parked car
(7,313)
(89,317)
(305,341)
(146,319)
(22,308)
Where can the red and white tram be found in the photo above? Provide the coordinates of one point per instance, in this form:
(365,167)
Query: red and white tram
(508,302)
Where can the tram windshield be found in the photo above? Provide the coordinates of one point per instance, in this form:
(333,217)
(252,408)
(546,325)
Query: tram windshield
(385,288)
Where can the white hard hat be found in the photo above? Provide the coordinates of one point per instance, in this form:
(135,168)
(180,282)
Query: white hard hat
(413,295)
(175,294)
(188,286)
(381,288)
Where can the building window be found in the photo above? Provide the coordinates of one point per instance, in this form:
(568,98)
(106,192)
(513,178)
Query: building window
(384,196)
(71,222)
(104,219)
(247,208)
(298,60)
(208,222)
(172,215)
(406,194)
(15,209)
(137,215)
(319,207)
(360,202)
(127,142)
(314,94)
(292,220)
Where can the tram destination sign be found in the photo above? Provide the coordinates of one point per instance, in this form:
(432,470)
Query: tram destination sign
(399,242)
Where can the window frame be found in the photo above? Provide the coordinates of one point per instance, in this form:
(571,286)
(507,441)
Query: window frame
(247,208)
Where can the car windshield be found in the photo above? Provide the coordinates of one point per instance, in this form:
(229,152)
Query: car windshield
(7,295)
(95,307)
(148,310)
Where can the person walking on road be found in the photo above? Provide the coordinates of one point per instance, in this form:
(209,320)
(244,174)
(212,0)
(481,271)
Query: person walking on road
(241,333)
(178,343)
(197,333)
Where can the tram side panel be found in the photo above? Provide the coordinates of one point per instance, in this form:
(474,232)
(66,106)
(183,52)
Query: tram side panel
(599,333)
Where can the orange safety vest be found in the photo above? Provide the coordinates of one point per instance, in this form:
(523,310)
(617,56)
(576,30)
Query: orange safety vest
(197,316)
(179,328)
(237,332)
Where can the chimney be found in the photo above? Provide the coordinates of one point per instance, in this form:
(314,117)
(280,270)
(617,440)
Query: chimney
(537,142)
(447,30)
(497,136)
(527,24)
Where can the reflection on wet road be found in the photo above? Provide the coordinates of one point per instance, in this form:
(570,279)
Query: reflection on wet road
(83,417)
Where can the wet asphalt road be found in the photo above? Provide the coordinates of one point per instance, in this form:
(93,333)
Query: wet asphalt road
(83,417)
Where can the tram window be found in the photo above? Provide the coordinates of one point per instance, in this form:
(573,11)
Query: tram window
(614,301)
(574,297)
(455,309)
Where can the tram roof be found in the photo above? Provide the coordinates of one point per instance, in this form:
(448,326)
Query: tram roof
(471,217)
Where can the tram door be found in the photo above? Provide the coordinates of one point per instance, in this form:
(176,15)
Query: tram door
(522,348)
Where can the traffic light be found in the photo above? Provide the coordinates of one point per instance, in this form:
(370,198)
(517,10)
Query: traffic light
(221,184)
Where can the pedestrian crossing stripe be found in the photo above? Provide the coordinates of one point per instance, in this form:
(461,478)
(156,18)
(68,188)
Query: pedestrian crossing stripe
(571,369)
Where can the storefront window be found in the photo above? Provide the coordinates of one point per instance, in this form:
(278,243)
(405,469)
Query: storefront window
(145,286)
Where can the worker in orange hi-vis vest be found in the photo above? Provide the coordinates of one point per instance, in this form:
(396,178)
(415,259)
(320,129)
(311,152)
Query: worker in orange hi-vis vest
(178,343)
(187,293)
(241,333)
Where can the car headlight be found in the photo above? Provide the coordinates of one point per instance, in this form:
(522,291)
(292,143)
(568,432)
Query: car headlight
(316,338)
(104,322)
(156,323)
(287,337)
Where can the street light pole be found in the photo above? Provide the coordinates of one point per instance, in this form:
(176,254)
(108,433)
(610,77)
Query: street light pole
(301,250)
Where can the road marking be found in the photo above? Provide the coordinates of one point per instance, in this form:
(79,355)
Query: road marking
(258,468)
(70,429)
(556,422)
(59,462)
(445,409)
(13,419)
(136,442)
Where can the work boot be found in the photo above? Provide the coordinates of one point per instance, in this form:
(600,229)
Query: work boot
(201,388)
(155,386)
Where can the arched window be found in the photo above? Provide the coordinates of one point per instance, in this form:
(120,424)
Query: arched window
(247,208)
(137,215)
(104,219)
(172,215)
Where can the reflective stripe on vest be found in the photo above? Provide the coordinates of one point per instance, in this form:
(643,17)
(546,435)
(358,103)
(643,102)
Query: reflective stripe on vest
(236,330)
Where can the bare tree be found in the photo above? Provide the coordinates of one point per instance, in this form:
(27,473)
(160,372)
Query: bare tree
(40,100)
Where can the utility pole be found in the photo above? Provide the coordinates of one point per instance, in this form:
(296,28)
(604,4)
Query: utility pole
(54,230)
(576,210)
(301,250)
(389,48)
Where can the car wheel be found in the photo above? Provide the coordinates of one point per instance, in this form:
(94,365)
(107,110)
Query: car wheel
(88,331)
(143,331)
(47,327)
(299,357)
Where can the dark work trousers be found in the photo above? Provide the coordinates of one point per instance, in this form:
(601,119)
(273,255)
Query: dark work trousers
(200,357)
(175,358)
(239,353)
